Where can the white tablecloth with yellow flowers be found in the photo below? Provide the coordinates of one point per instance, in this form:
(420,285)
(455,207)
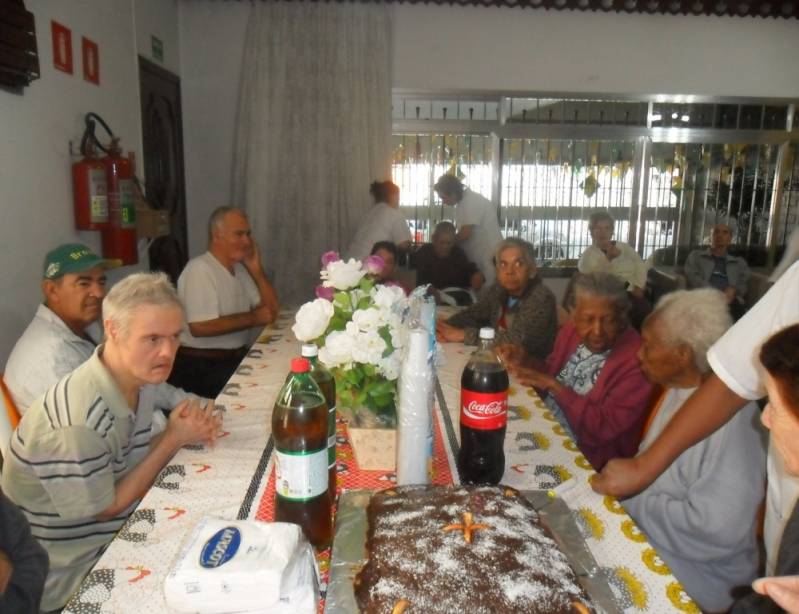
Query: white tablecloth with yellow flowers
(229,481)
(539,456)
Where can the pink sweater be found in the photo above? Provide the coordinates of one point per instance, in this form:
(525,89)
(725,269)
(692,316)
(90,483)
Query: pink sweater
(608,420)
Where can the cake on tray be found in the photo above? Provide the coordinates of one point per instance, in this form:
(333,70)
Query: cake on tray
(459,550)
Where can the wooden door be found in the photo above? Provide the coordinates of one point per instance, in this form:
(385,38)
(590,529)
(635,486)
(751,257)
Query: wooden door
(162,135)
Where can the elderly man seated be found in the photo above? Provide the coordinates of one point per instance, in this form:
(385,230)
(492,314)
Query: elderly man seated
(65,330)
(84,452)
(592,381)
(715,267)
(519,306)
(443,264)
(700,513)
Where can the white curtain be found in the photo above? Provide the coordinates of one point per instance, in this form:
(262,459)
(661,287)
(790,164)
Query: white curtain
(313,131)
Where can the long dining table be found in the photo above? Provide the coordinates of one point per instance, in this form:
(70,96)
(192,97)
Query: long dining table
(234,479)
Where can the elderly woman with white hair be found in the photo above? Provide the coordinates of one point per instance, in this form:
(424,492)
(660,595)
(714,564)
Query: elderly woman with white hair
(519,306)
(700,513)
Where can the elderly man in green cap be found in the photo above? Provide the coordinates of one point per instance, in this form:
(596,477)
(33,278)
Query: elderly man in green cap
(66,329)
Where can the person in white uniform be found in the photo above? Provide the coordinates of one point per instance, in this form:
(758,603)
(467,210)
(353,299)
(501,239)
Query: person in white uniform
(477,222)
(65,330)
(737,378)
(383,222)
(228,301)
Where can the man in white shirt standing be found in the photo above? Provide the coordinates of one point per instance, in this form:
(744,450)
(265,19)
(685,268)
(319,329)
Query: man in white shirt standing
(478,226)
(228,300)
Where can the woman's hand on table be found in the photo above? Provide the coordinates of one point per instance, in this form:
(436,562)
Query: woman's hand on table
(527,376)
(449,333)
(784,590)
(191,422)
(621,477)
(512,355)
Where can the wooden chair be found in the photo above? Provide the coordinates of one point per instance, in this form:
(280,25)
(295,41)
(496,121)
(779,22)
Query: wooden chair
(9,418)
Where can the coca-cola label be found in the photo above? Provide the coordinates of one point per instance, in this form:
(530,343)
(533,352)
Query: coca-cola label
(484,410)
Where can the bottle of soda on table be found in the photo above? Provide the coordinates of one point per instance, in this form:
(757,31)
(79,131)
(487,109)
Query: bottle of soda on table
(299,429)
(324,379)
(484,415)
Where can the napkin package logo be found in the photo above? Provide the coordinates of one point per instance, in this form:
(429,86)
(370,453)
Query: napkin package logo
(220,548)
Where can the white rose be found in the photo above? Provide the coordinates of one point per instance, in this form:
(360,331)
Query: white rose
(342,275)
(312,319)
(337,350)
(367,319)
(368,348)
(385,297)
(389,366)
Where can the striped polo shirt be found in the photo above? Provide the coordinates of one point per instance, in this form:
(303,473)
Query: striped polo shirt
(66,455)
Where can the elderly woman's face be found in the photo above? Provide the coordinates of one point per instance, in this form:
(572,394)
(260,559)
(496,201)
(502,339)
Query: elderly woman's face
(513,271)
(661,362)
(783,423)
(602,233)
(390,264)
(597,322)
(443,243)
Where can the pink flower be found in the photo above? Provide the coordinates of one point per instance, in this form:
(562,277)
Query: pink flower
(374,264)
(325,293)
(329,257)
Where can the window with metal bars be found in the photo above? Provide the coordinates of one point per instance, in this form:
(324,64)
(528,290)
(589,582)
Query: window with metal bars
(666,171)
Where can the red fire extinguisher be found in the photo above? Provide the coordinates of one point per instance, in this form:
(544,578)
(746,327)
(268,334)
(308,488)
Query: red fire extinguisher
(119,236)
(90,190)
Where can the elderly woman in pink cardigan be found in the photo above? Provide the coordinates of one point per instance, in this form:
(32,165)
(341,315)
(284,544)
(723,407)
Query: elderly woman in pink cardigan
(592,381)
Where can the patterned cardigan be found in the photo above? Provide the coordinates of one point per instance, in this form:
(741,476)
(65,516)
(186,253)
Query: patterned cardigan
(534,320)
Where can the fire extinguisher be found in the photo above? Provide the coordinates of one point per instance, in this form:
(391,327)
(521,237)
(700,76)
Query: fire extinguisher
(113,175)
(119,237)
(90,190)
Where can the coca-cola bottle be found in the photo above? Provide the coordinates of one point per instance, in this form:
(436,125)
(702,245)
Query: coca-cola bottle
(484,415)
(299,429)
(324,379)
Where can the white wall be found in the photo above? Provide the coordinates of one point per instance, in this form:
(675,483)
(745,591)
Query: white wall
(36,127)
(158,18)
(451,47)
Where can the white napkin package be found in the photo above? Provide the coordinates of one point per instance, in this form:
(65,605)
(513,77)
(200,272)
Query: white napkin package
(229,566)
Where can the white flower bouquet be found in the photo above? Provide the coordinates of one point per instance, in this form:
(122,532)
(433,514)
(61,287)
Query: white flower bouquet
(358,326)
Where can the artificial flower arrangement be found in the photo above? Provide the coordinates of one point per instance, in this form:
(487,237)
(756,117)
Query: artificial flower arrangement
(359,328)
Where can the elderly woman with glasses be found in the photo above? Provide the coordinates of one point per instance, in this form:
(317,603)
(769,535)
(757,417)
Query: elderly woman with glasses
(519,306)
(700,513)
(591,381)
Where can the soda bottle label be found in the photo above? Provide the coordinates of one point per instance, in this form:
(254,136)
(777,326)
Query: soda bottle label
(331,438)
(484,410)
(300,476)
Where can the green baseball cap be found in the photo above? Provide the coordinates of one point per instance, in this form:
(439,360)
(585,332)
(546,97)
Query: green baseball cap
(73,258)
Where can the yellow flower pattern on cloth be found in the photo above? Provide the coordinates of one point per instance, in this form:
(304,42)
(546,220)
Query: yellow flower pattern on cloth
(589,523)
(582,462)
(612,504)
(548,416)
(557,474)
(570,445)
(519,412)
(527,442)
(629,591)
(680,599)
(652,560)
(558,430)
(632,532)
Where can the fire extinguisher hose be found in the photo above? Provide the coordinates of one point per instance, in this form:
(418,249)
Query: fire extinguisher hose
(89,135)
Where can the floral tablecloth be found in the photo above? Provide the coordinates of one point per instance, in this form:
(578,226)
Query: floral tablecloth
(235,480)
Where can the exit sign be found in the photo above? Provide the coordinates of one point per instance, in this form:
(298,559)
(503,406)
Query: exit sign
(157,48)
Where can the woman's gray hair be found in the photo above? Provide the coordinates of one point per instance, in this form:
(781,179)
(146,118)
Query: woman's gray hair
(696,318)
(135,291)
(603,285)
(527,249)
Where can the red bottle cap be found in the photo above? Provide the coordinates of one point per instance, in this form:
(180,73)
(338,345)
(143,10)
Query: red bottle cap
(300,365)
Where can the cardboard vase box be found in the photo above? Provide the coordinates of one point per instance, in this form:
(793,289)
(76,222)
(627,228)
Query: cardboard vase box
(375,449)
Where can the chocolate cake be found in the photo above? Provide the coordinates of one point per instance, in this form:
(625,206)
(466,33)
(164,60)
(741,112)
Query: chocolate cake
(459,550)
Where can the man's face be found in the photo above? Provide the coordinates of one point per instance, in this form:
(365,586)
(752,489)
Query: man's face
(76,298)
(721,237)
(448,199)
(148,347)
(233,237)
(443,244)
(513,271)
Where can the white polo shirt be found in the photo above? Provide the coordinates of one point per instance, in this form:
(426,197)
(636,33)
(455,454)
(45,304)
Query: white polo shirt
(627,266)
(734,359)
(209,291)
(476,210)
(381,223)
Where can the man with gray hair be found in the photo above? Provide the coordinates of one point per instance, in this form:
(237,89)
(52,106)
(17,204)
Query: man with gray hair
(700,514)
(228,300)
(85,451)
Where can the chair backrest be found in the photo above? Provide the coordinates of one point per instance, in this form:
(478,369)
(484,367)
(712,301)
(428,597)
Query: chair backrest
(9,417)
